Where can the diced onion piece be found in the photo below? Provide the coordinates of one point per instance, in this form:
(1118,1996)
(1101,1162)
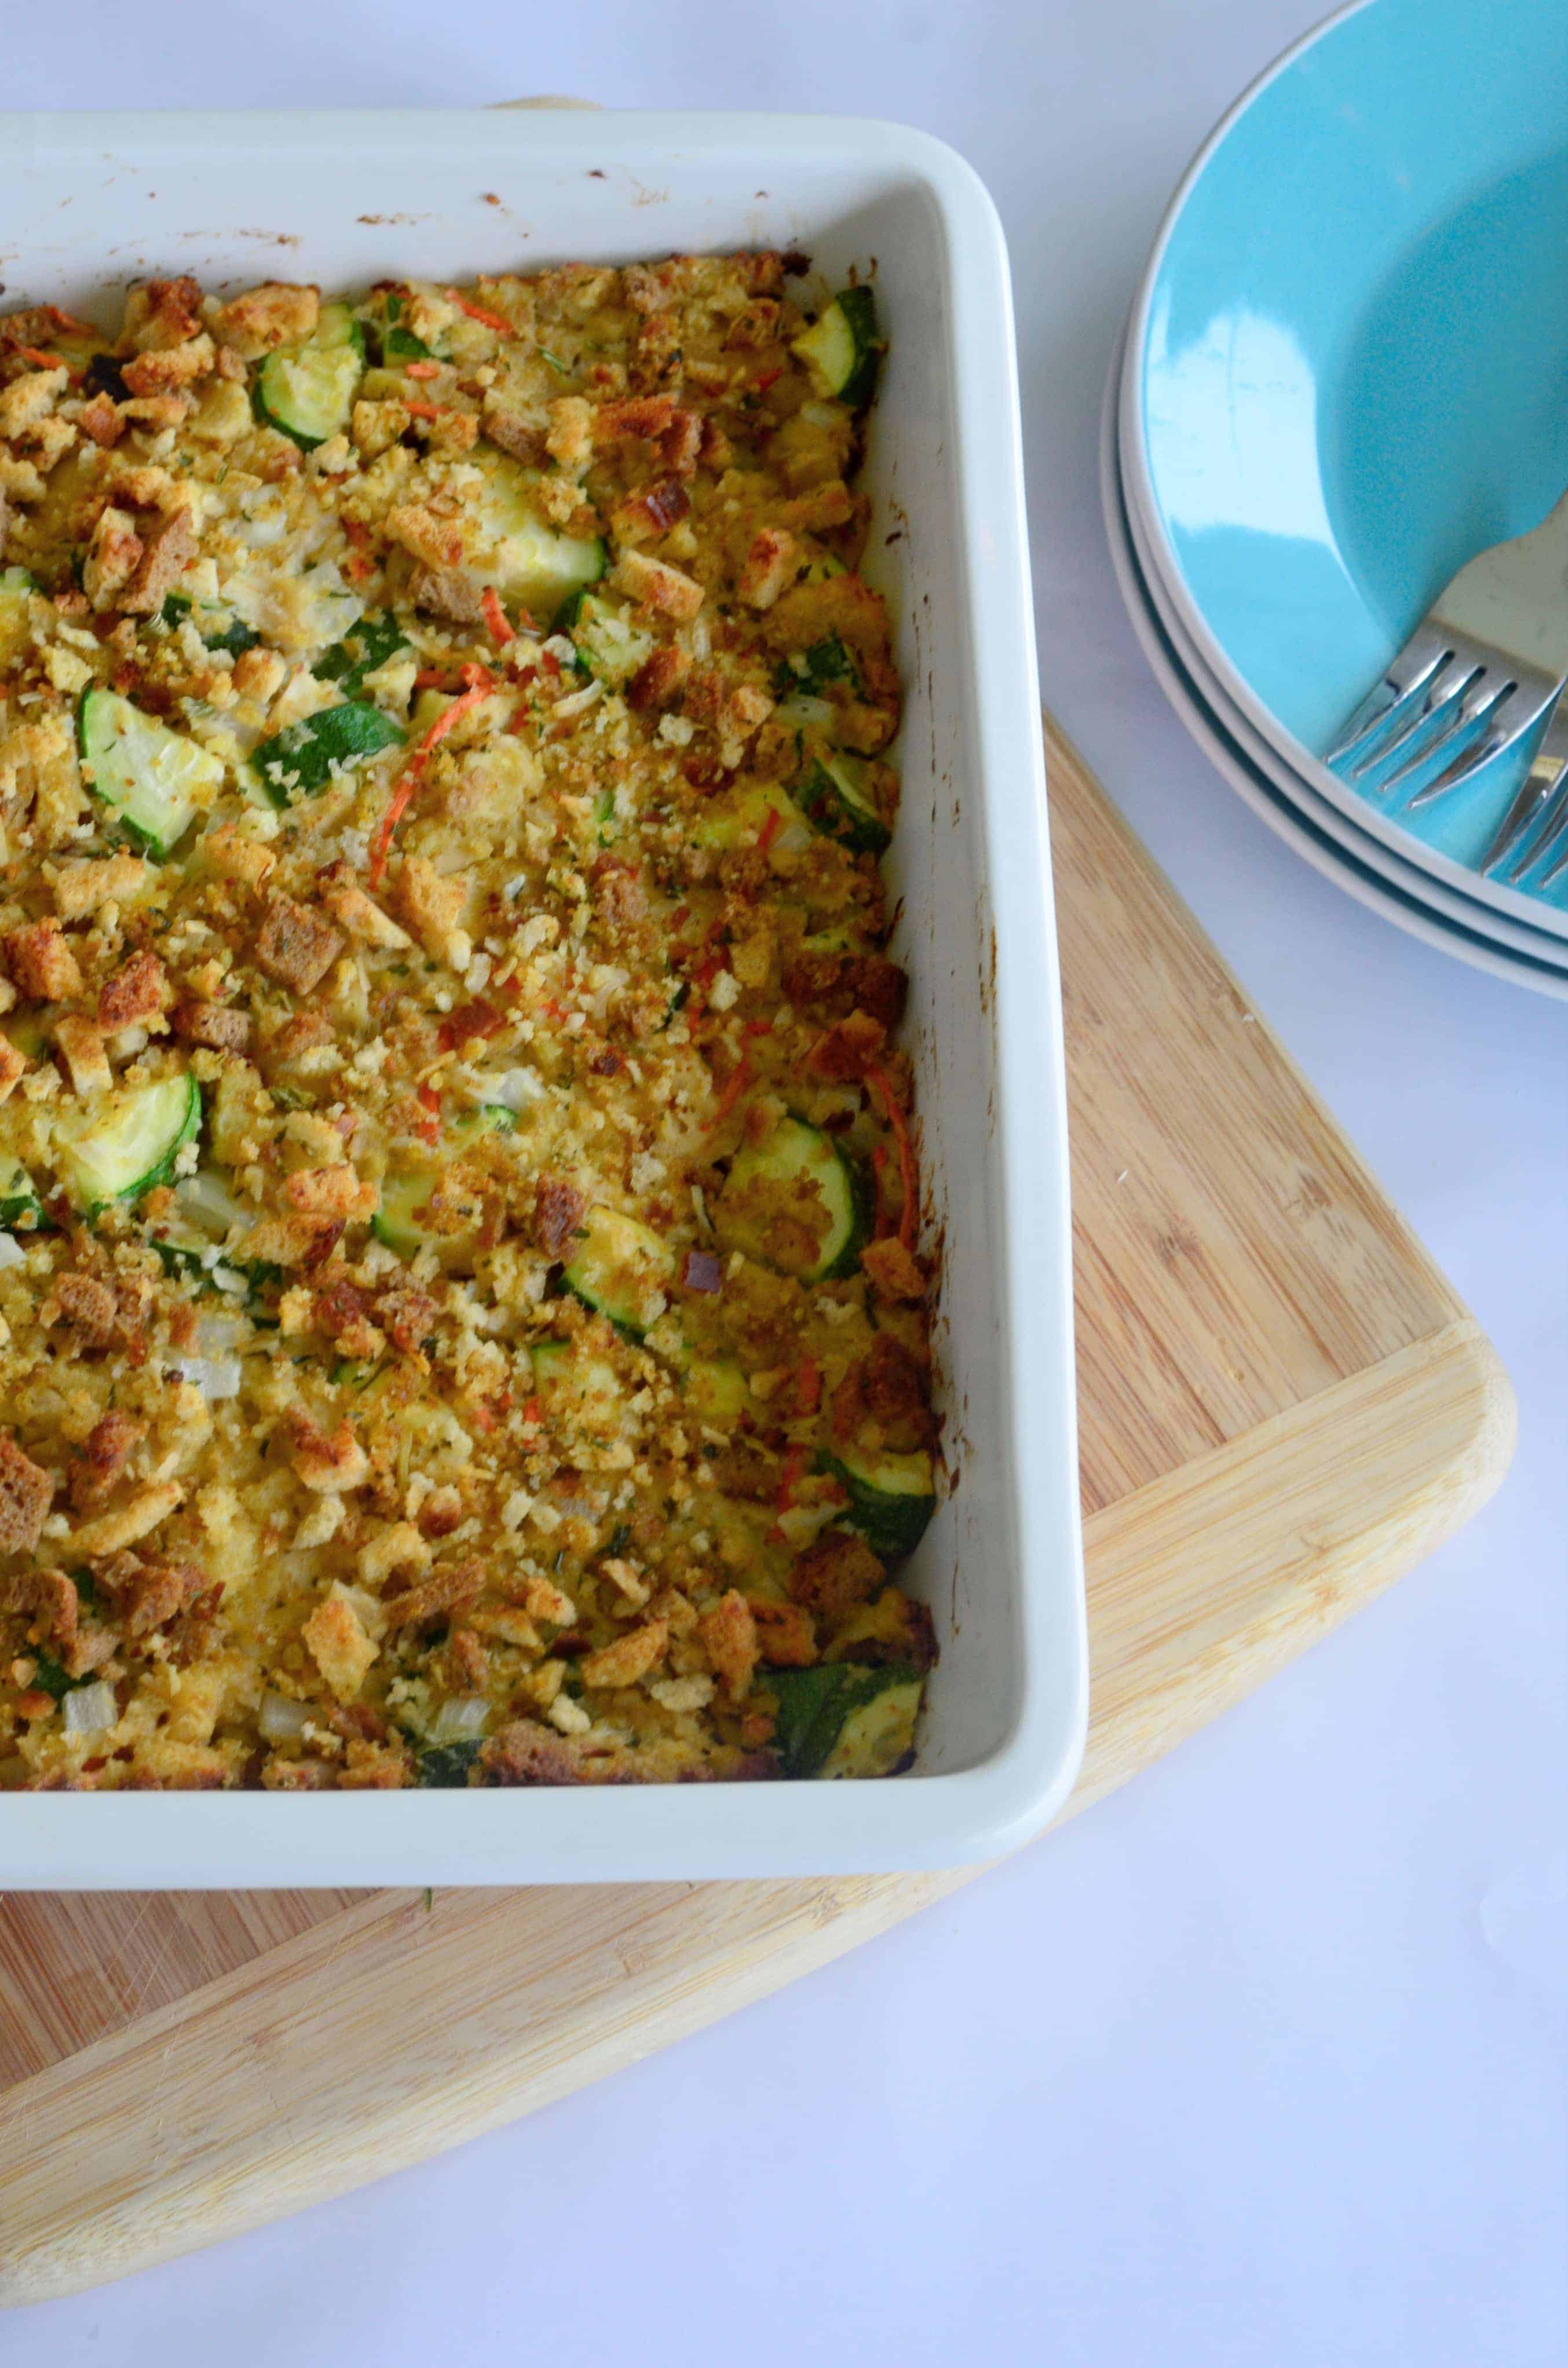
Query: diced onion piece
(282,1721)
(215,1377)
(801,710)
(515,1089)
(87,1710)
(208,1203)
(216,1335)
(460,1720)
(11,1252)
(578,703)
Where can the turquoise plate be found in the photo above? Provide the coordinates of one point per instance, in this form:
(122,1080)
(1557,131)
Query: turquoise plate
(1348,369)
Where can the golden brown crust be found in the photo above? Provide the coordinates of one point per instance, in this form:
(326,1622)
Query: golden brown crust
(316,1461)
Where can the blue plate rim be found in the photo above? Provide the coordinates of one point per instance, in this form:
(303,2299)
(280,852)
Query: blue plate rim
(1303,836)
(1539,913)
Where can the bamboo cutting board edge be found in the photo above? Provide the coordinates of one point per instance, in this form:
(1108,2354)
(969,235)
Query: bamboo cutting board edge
(1309,1454)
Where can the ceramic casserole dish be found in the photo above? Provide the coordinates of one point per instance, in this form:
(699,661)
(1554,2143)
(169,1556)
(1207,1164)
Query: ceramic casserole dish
(93,201)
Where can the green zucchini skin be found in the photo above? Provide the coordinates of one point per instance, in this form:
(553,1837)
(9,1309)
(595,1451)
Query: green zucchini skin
(367,646)
(834,799)
(131,1142)
(20,1202)
(304,757)
(795,1149)
(307,390)
(892,1520)
(844,348)
(841,1718)
(618,1264)
(153,781)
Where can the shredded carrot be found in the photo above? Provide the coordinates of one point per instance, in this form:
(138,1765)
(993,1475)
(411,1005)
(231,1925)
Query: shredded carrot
(45,362)
(419,410)
(532,1410)
(477,312)
(879,1171)
(358,532)
(483,1420)
(430,1128)
(887,1101)
(795,1463)
(357,566)
(422,370)
(496,618)
(808,1385)
(735,1086)
(480,683)
(68,321)
(757,1027)
(769,831)
(765,379)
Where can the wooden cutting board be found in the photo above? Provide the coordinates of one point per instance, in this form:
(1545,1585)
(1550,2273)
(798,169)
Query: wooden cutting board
(1283,1407)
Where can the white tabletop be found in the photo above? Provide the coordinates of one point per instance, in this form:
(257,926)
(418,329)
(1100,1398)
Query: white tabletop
(1261,2061)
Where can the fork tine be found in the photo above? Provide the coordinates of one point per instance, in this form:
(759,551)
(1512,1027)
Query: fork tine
(1509,717)
(1423,656)
(1553,820)
(1479,710)
(1534,794)
(1446,691)
(1549,878)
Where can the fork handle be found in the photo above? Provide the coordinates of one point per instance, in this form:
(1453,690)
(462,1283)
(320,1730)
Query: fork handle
(1515,594)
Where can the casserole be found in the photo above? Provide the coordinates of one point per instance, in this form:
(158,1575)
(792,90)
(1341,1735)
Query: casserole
(328,198)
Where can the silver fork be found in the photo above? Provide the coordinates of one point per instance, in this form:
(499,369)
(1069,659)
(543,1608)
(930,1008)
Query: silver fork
(1478,673)
(1539,807)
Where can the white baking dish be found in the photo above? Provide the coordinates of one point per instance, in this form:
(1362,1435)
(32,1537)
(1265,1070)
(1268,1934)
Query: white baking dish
(91,201)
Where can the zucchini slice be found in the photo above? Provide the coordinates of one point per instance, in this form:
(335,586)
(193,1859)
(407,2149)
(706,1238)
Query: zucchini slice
(836,800)
(578,1389)
(488,1118)
(219,627)
(410,1219)
(17,589)
(842,348)
(530,564)
(307,390)
(891,1498)
(368,645)
(393,341)
(796,1203)
(19,1202)
(843,1719)
(827,661)
(738,818)
(156,781)
(717,1392)
(448,1765)
(426,1205)
(622,1270)
(613,647)
(306,755)
(130,1142)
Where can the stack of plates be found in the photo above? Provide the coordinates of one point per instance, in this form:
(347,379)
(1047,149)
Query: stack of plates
(1345,370)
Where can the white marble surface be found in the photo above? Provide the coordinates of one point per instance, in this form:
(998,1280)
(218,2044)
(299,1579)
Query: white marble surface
(1261,2062)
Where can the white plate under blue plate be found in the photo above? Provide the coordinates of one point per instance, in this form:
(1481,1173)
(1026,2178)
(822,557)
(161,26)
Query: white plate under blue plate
(1444,902)
(1287,818)
(1347,370)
